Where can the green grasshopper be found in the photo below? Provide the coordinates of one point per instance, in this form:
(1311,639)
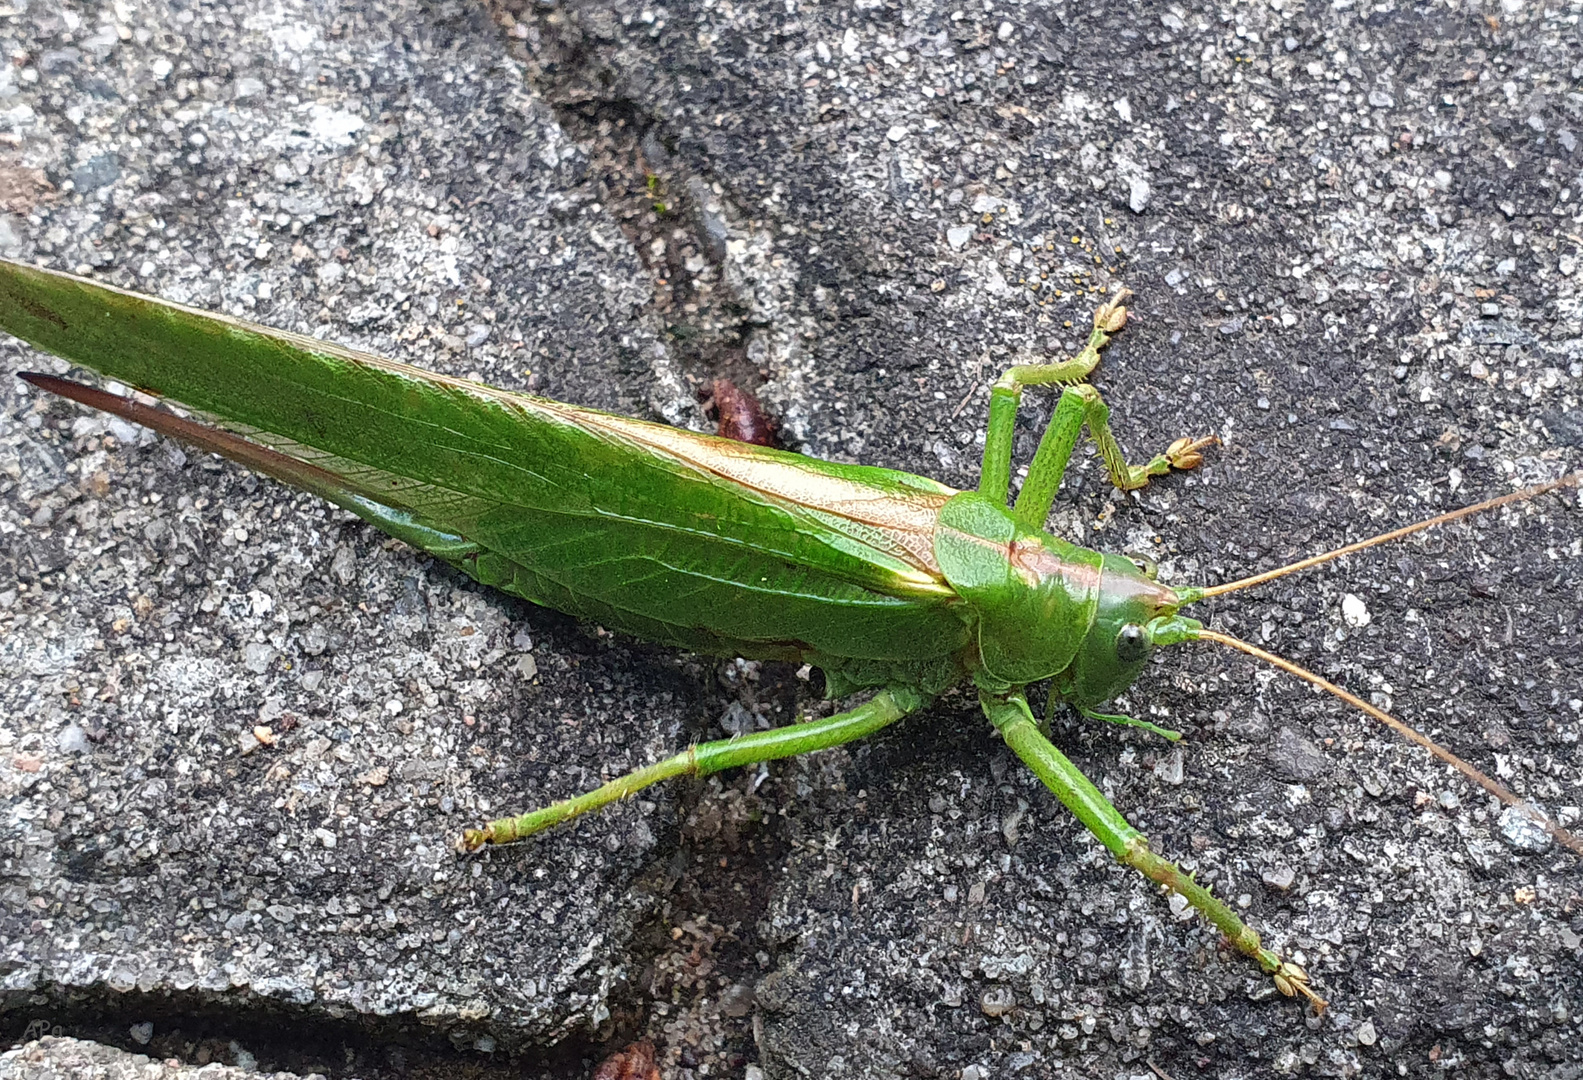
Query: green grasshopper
(884,580)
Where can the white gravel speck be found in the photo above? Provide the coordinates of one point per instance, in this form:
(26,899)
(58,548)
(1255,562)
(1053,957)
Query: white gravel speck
(959,236)
(1354,612)
(1138,194)
(257,656)
(1522,832)
(333,128)
(1170,768)
(128,433)
(1280,878)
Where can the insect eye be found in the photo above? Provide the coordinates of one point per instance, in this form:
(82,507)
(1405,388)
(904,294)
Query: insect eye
(1132,644)
(1148,566)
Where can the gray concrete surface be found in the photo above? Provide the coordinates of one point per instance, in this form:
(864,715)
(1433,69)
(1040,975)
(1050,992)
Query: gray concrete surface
(58,1058)
(1350,233)
(380,175)
(1353,232)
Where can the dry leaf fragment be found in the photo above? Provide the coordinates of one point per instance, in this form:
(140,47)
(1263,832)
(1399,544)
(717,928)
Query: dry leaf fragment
(636,1062)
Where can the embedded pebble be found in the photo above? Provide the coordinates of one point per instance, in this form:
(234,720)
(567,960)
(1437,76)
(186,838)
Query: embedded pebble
(1138,193)
(257,656)
(1294,757)
(72,740)
(1171,768)
(1354,612)
(737,1000)
(1522,832)
(1280,878)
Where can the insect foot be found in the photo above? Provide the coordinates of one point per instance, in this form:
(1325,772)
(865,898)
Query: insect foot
(1184,453)
(1110,317)
(1291,980)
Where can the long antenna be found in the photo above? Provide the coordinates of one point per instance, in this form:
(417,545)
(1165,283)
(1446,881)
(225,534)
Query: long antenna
(1561,835)
(1570,480)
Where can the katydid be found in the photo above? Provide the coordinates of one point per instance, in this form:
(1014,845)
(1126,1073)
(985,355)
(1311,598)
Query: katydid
(886,581)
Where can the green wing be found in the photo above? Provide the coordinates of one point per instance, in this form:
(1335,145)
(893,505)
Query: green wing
(679,538)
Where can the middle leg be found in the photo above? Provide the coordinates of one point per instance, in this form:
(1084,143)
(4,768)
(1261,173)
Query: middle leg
(994,478)
(1080,405)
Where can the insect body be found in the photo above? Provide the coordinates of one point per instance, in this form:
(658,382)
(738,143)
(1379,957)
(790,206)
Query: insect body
(885,580)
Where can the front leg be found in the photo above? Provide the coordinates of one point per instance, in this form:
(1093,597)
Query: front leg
(994,479)
(1080,406)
